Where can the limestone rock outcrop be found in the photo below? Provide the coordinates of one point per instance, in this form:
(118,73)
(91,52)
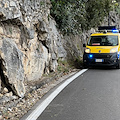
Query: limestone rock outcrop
(30,43)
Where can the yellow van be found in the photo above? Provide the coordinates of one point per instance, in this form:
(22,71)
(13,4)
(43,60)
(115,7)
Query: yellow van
(103,48)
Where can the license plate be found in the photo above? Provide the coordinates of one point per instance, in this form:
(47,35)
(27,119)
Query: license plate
(98,60)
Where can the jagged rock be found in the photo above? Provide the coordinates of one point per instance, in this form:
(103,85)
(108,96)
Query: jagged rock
(9,10)
(35,64)
(5,90)
(9,94)
(54,43)
(73,44)
(12,4)
(13,71)
(30,43)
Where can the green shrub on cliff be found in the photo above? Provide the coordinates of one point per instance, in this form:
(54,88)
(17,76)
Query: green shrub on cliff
(75,16)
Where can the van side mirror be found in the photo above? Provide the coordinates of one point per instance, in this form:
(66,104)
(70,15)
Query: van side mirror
(84,45)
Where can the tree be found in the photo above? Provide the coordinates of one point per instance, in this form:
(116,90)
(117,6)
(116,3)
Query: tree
(74,16)
(96,10)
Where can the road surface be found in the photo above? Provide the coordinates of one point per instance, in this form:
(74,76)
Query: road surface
(95,95)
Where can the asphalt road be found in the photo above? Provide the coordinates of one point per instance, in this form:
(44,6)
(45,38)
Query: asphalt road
(95,95)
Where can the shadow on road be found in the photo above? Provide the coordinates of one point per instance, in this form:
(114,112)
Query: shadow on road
(103,68)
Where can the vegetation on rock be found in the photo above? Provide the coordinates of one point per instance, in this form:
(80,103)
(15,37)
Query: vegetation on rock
(75,16)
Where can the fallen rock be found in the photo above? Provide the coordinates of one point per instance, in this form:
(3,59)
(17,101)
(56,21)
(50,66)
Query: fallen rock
(9,94)
(5,90)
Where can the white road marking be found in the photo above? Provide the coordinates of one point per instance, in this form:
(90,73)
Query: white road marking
(38,111)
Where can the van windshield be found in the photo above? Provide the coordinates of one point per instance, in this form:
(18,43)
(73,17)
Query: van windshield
(108,40)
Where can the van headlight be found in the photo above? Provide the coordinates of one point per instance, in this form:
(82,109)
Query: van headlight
(113,50)
(87,50)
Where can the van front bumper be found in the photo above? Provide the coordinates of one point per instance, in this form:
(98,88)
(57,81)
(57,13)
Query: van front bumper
(100,59)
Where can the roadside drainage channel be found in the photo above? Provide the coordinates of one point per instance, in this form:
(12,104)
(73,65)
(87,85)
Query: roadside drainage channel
(40,106)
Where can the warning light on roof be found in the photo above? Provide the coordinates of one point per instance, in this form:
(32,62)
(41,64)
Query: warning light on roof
(106,29)
(115,31)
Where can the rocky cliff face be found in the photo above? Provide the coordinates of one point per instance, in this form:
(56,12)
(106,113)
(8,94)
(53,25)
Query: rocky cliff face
(29,42)
(74,44)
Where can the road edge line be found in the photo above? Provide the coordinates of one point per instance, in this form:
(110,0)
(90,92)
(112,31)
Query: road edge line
(38,111)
